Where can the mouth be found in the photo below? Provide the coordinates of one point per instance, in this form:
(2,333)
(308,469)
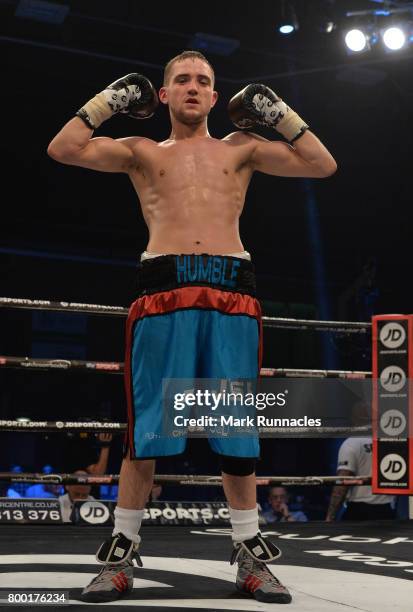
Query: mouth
(191,101)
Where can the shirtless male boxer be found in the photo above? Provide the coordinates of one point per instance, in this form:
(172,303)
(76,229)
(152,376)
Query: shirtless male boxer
(196,284)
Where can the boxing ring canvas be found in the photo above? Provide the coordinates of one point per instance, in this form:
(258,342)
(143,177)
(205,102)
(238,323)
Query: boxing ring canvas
(328,567)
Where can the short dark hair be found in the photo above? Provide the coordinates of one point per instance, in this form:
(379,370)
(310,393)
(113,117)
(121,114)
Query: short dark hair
(183,56)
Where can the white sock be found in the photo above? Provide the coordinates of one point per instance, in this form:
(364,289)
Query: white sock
(244,524)
(128,522)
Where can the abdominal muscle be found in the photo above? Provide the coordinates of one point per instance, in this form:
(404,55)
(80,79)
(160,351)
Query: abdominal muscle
(192,223)
(192,199)
(194,229)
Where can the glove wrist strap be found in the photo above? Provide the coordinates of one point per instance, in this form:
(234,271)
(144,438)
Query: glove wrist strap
(291,126)
(95,112)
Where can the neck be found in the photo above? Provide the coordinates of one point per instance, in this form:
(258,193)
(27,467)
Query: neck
(181,131)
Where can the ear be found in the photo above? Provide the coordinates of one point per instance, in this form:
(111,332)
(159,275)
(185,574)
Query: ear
(163,95)
(214,98)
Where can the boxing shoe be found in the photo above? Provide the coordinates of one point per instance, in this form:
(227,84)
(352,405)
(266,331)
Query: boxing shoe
(253,575)
(115,579)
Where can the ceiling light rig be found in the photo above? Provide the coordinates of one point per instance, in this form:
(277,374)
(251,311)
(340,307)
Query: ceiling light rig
(395,37)
(288,22)
(389,27)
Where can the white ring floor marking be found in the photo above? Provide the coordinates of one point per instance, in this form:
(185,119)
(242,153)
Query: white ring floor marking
(313,589)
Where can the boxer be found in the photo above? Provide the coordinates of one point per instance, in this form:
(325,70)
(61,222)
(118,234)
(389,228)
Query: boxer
(196,314)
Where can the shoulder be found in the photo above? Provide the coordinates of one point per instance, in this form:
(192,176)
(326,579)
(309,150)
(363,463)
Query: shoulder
(350,444)
(347,453)
(242,137)
(13,494)
(358,444)
(137,142)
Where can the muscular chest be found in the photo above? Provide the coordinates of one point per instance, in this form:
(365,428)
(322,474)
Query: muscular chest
(193,163)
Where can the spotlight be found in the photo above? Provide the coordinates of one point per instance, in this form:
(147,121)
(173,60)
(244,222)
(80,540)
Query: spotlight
(286,28)
(328,27)
(391,24)
(394,38)
(288,22)
(356,40)
(325,19)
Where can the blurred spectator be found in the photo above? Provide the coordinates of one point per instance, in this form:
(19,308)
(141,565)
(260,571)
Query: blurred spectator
(103,443)
(355,459)
(12,493)
(45,490)
(279,511)
(155,493)
(16,489)
(91,451)
(74,492)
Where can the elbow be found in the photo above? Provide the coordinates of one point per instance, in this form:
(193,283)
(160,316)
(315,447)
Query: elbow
(62,154)
(57,153)
(53,152)
(328,169)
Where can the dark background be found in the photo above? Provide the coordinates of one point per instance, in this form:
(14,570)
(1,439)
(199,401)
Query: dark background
(331,248)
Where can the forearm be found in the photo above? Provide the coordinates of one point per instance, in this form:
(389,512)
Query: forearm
(312,150)
(74,136)
(100,466)
(338,496)
(307,156)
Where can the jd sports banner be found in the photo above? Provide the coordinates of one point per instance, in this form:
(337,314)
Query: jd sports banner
(392,404)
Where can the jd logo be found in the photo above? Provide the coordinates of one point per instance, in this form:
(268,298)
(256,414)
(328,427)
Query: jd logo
(94,512)
(392,379)
(392,335)
(393,422)
(393,467)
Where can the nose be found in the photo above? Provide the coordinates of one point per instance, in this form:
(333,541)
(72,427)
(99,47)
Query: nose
(193,89)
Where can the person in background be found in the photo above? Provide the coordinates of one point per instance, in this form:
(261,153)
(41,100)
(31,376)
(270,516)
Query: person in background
(45,490)
(86,449)
(16,490)
(279,511)
(104,441)
(76,451)
(155,493)
(73,493)
(355,459)
(91,451)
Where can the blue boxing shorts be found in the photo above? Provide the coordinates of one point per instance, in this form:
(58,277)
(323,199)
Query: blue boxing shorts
(196,317)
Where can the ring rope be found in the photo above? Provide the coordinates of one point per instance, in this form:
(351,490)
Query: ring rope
(338,327)
(117,367)
(215,481)
(106,426)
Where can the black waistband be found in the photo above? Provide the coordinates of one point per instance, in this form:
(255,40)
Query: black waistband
(173,271)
